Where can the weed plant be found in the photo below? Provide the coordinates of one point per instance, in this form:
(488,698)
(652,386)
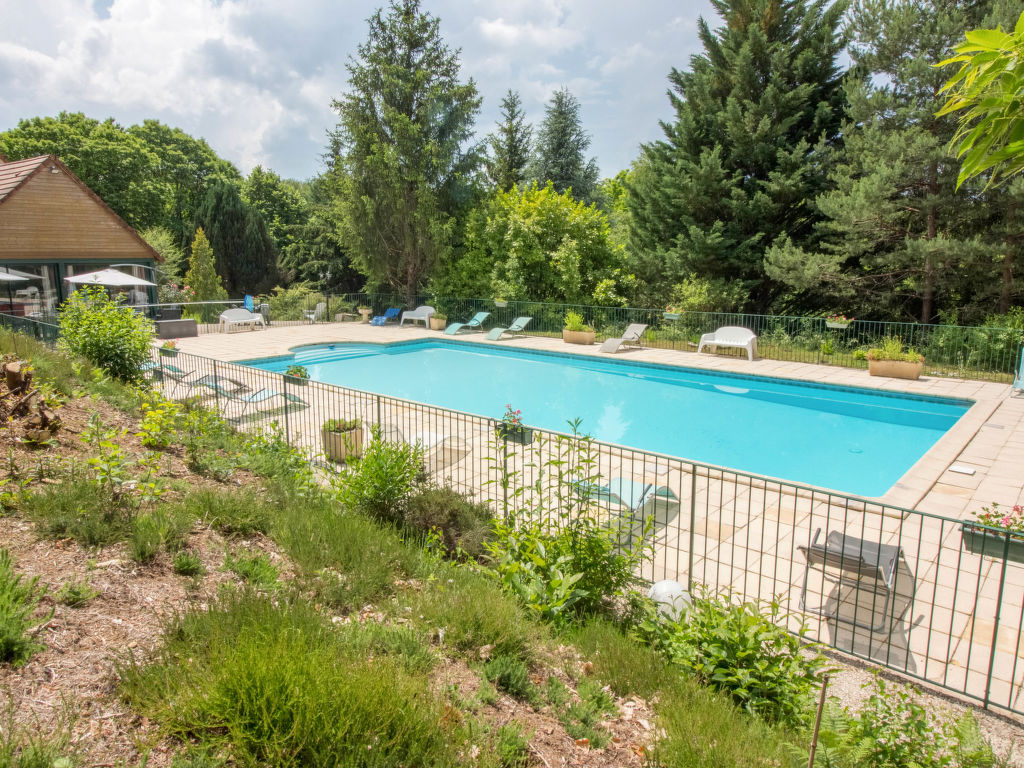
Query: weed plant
(255,569)
(274,683)
(510,674)
(232,511)
(19,599)
(463,526)
(79,509)
(165,529)
(187,563)
(29,745)
(75,593)
(623,663)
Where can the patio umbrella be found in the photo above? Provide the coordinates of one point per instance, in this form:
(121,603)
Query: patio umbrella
(6,277)
(110,278)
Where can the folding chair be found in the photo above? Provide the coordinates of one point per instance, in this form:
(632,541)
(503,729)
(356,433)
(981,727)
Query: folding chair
(861,566)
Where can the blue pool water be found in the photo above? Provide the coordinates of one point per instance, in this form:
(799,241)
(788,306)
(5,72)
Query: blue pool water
(854,440)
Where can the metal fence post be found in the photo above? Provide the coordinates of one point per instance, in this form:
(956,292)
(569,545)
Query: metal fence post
(287,429)
(693,522)
(995,627)
(216,386)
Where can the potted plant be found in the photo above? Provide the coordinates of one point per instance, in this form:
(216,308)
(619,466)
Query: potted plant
(672,313)
(438,322)
(500,302)
(890,360)
(169,348)
(996,533)
(365,312)
(342,439)
(297,375)
(511,428)
(576,331)
(838,321)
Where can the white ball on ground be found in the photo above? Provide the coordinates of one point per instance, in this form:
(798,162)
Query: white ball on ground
(671,597)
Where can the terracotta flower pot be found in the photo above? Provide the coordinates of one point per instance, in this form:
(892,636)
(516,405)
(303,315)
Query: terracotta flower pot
(578,337)
(342,446)
(895,369)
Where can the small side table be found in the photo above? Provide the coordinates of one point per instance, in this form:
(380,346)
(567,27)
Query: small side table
(366,313)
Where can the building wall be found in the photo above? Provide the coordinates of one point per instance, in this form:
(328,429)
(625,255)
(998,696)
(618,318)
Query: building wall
(51,217)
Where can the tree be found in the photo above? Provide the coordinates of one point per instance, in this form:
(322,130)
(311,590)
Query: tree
(117,166)
(990,87)
(562,144)
(897,238)
(163,242)
(245,254)
(202,274)
(537,244)
(741,164)
(510,145)
(282,208)
(398,155)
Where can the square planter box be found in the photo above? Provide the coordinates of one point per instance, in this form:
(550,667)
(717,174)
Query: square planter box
(438,323)
(895,369)
(168,352)
(521,435)
(671,315)
(837,326)
(295,381)
(342,446)
(578,337)
(982,541)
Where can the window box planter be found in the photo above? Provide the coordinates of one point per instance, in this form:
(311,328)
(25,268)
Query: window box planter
(578,337)
(168,352)
(989,543)
(510,434)
(837,326)
(295,381)
(671,315)
(895,369)
(500,303)
(342,446)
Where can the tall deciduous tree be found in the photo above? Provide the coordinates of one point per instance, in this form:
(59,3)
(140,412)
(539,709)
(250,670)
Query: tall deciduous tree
(246,257)
(399,152)
(282,207)
(898,237)
(741,164)
(560,155)
(510,145)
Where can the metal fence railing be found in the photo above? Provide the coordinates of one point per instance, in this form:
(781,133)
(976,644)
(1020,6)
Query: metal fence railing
(971,352)
(931,597)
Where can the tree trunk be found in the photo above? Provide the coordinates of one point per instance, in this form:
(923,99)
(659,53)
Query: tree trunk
(1006,284)
(928,294)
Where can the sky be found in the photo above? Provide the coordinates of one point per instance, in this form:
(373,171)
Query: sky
(256,78)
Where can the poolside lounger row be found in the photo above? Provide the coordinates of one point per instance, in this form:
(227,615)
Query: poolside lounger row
(517,328)
(476,323)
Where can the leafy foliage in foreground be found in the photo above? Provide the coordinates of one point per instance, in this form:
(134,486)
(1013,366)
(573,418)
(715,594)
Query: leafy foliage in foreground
(112,336)
(18,601)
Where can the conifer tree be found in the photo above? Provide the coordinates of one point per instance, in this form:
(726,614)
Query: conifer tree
(510,145)
(400,155)
(202,275)
(246,256)
(741,163)
(562,144)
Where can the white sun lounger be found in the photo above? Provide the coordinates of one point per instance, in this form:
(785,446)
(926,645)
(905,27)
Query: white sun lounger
(630,337)
(239,317)
(420,313)
(730,336)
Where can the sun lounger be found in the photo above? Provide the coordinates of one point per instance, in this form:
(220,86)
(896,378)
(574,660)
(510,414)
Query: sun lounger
(1018,381)
(730,336)
(630,337)
(420,313)
(316,314)
(222,387)
(517,326)
(239,317)
(634,495)
(476,323)
(391,313)
(440,450)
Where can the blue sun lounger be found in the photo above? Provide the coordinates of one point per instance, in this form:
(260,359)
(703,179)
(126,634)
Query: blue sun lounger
(1018,380)
(476,324)
(391,313)
(518,326)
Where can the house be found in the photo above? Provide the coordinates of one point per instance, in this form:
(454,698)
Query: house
(53,226)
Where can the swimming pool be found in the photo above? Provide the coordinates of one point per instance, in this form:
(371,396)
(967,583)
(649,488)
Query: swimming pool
(858,441)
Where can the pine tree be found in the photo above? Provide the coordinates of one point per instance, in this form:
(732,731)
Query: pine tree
(510,145)
(898,239)
(399,154)
(246,256)
(202,275)
(560,153)
(741,164)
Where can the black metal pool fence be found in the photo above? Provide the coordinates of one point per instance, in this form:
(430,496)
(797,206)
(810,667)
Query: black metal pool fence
(970,352)
(930,597)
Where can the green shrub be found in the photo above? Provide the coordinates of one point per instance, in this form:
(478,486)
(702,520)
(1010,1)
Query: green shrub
(110,335)
(276,684)
(462,524)
(160,529)
(893,729)
(187,563)
(158,425)
(745,651)
(75,593)
(18,602)
(32,745)
(78,509)
(574,322)
(383,481)
(510,674)
(288,303)
(255,569)
(891,348)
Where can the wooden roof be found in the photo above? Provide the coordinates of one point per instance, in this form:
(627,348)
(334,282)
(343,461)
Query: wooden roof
(15,176)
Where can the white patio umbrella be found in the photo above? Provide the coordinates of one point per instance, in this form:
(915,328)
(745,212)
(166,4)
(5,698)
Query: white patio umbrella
(7,277)
(110,278)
